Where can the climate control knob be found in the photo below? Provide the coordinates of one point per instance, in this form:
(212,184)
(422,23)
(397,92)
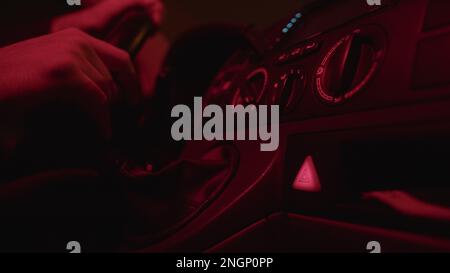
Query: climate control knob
(350,64)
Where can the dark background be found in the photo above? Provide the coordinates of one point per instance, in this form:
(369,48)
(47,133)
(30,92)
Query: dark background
(182,15)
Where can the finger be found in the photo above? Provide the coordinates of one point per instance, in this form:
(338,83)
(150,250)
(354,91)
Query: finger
(93,66)
(95,104)
(120,67)
(112,9)
(157,12)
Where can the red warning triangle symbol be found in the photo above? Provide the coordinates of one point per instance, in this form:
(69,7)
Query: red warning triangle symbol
(307,178)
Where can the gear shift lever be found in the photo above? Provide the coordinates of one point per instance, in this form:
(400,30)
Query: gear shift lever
(160,202)
(131,31)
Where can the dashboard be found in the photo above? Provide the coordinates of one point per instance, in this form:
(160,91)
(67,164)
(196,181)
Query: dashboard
(313,67)
(364,98)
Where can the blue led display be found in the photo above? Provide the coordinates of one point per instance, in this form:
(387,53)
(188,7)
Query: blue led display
(291,23)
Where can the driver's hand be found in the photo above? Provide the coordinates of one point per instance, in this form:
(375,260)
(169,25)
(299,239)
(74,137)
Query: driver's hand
(66,67)
(96,16)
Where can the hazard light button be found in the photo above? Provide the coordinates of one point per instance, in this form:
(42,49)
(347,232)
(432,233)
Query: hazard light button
(307,178)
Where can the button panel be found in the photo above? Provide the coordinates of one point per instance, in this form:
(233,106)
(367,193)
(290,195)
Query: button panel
(298,52)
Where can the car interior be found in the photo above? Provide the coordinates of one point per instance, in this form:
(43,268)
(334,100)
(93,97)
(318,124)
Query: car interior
(363,91)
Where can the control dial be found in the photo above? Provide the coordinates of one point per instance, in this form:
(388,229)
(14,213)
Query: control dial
(349,65)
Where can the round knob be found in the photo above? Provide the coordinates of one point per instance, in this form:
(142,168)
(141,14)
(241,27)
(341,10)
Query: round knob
(349,65)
